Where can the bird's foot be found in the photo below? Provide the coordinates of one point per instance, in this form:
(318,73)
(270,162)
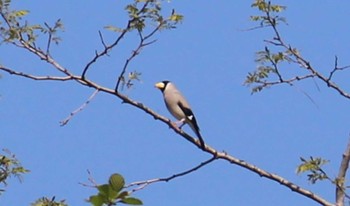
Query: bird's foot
(180,123)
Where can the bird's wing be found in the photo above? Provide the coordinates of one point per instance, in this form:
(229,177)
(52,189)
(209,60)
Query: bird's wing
(192,122)
(189,115)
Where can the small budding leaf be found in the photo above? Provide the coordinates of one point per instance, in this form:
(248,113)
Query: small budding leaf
(21,13)
(116,181)
(176,17)
(123,194)
(114,29)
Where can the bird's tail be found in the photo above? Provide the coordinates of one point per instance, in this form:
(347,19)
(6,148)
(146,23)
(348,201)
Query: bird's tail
(195,128)
(200,139)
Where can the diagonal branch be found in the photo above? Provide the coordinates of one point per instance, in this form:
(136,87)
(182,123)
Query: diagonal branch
(143,184)
(219,155)
(71,115)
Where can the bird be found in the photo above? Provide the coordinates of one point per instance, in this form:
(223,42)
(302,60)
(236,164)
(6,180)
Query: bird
(179,107)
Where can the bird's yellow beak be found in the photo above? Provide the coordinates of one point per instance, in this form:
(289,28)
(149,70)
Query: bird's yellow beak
(160,85)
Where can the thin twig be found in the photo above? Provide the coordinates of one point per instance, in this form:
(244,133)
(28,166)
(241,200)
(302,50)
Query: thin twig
(30,76)
(143,184)
(134,53)
(49,38)
(91,180)
(106,49)
(336,68)
(102,39)
(71,115)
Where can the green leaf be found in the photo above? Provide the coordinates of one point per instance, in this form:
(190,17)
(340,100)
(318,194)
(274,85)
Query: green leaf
(96,200)
(103,189)
(116,182)
(107,191)
(131,201)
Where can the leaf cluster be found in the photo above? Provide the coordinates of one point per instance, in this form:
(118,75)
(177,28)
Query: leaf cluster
(10,166)
(314,168)
(143,13)
(111,193)
(13,28)
(129,80)
(44,201)
(270,13)
(269,60)
(268,63)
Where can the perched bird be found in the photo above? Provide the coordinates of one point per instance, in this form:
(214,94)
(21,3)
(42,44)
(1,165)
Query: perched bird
(178,107)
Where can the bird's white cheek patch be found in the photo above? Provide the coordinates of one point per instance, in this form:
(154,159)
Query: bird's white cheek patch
(190,117)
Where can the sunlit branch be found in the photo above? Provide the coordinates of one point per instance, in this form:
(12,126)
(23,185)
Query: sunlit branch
(71,115)
(285,81)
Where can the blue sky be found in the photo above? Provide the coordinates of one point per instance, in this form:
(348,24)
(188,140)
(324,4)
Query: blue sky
(208,57)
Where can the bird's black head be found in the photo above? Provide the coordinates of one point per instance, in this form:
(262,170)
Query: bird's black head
(162,85)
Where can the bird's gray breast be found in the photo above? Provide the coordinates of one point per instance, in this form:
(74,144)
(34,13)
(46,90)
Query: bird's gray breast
(172,100)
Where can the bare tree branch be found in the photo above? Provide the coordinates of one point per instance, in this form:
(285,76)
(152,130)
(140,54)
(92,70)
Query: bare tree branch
(336,68)
(340,181)
(143,184)
(30,76)
(208,149)
(125,99)
(66,120)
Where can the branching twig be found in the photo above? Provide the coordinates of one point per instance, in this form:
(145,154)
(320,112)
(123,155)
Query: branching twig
(102,39)
(66,120)
(91,180)
(336,68)
(49,39)
(143,184)
(104,51)
(114,44)
(141,45)
(278,41)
